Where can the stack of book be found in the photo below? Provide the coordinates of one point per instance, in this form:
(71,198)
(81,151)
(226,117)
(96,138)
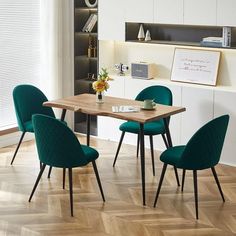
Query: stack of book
(90,23)
(212,42)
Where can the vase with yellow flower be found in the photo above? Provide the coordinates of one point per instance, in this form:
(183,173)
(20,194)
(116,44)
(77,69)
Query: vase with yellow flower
(101,85)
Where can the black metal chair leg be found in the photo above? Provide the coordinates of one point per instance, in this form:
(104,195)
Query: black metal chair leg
(218,183)
(183,178)
(71,190)
(64,178)
(164,139)
(37,181)
(137,145)
(20,141)
(49,172)
(169,144)
(176,176)
(98,179)
(152,154)
(195,192)
(119,145)
(160,183)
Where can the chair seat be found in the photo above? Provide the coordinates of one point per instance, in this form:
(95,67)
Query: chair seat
(90,153)
(172,155)
(29,126)
(150,128)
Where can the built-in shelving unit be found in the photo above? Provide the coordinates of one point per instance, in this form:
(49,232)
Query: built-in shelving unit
(85,65)
(183,35)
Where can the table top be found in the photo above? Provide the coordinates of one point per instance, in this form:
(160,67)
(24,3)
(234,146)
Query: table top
(86,103)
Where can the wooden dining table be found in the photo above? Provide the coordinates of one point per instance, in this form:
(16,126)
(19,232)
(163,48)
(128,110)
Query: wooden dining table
(86,103)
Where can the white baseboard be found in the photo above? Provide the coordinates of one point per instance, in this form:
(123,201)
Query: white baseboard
(11,139)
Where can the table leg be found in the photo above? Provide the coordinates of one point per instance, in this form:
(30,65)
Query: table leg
(142,158)
(63,114)
(169,141)
(88,129)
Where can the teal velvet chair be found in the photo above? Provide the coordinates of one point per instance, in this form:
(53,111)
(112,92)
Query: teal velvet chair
(161,95)
(201,152)
(58,146)
(28,100)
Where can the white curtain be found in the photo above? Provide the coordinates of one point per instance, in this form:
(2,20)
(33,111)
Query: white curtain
(57,47)
(51,47)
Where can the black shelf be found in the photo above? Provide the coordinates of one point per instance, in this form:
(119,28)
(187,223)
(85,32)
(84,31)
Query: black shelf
(83,64)
(180,35)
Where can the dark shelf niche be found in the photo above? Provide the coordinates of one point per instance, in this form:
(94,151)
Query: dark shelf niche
(182,35)
(84,65)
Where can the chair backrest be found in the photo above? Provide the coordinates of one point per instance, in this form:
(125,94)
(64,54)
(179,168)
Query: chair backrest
(204,148)
(57,145)
(160,94)
(28,100)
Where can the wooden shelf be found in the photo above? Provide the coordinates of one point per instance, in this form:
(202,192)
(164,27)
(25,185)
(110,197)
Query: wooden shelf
(85,57)
(86,33)
(177,43)
(85,9)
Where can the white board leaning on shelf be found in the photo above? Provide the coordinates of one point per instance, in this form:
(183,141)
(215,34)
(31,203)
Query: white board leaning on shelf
(195,66)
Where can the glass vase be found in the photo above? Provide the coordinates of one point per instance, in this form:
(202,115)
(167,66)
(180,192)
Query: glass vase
(99,97)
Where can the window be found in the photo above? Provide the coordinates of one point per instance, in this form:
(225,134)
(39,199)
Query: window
(19,52)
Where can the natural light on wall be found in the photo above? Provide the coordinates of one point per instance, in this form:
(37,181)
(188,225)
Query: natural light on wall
(19,52)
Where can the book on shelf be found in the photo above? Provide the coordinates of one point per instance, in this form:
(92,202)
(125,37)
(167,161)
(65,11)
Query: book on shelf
(90,23)
(211,44)
(87,23)
(213,39)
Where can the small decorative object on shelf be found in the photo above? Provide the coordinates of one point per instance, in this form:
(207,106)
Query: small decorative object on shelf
(90,46)
(101,85)
(141,35)
(148,36)
(92,49)
(90,3)
(121,68)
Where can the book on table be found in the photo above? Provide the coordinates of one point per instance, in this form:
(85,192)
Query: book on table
(125,109)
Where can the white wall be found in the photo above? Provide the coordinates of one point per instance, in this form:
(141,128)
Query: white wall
(162,56)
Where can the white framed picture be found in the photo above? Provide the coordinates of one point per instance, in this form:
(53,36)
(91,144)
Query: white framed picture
(195,66)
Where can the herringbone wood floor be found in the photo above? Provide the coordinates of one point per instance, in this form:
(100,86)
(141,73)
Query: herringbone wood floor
(123,213)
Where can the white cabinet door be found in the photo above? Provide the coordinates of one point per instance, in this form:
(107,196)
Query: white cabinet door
(108,128)
(226,13)
(139,11)
(224,103)
(201,12)
(169,11)
(199,110)
(111,22)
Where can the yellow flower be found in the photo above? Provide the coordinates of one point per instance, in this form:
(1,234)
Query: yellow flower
(101,84)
